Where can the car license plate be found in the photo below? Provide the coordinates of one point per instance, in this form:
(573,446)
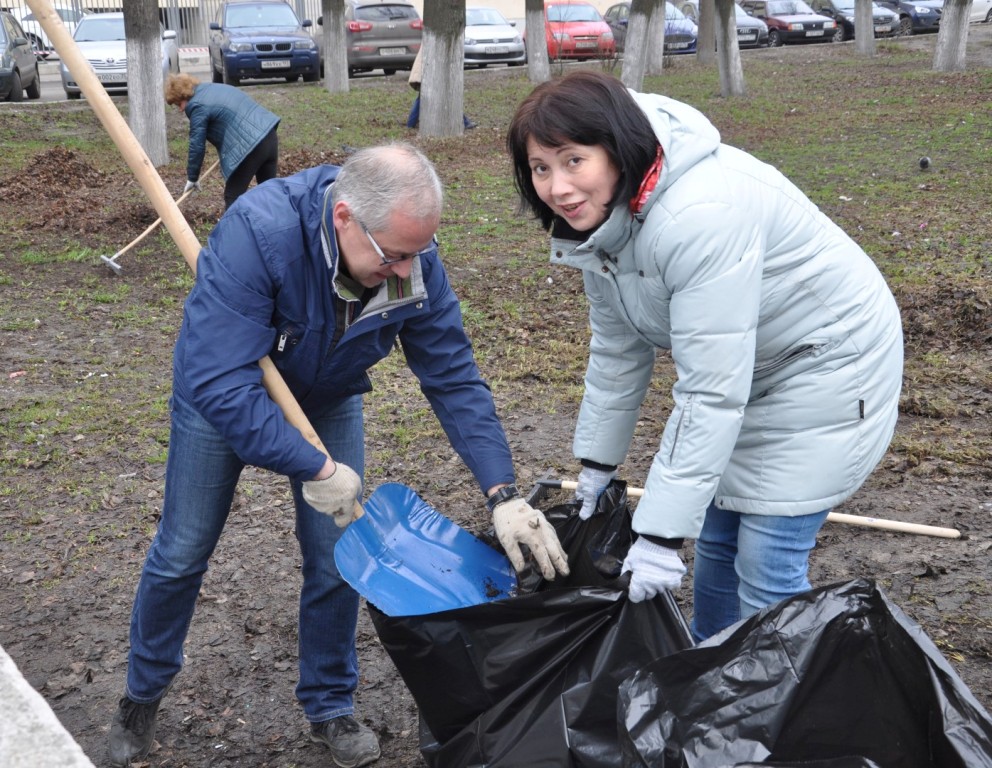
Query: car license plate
(497,49)
(112,77)
(392,51)
(586,44)
(276,63)
(814,33)
(882,28)
(747,37)
(678,46)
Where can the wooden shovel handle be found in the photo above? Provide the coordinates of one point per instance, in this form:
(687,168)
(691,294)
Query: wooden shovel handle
(833,517)
(154,187)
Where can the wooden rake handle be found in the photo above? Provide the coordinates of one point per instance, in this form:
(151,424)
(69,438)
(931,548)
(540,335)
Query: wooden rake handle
(833,517)
(157,192)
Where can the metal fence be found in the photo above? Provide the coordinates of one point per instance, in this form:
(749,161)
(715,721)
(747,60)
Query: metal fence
(189,18)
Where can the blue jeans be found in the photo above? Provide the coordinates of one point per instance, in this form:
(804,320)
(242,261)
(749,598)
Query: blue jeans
(200,479)
(746,562)
(413,119)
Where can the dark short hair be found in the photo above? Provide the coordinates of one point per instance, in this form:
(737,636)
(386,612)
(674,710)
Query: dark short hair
(585,107)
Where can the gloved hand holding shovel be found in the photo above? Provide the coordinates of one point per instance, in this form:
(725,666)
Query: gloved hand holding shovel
(517,522)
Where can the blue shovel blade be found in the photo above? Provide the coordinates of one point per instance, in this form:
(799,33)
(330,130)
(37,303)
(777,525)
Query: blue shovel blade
(408,559)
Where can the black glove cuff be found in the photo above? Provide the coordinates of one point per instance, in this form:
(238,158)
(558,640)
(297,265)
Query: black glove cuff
(663,542)
(505,493)
(595,465)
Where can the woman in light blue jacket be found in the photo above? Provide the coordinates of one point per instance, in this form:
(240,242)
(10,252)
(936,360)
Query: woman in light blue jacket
(787,343)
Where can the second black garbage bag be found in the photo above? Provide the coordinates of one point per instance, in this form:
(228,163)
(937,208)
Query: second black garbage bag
(532,680)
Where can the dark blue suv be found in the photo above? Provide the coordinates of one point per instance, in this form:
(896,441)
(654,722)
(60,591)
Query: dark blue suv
(916,15)
(261,39)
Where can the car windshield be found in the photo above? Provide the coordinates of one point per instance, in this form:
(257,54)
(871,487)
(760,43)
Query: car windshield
(844,5)
(789,8)
(672,13)
(261,15)
(480,17)
(95,29)
(572,12)
(741,13)
(385,12)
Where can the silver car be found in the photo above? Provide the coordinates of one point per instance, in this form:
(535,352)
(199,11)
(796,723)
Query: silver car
(100,37)
(382,34)
(491,39)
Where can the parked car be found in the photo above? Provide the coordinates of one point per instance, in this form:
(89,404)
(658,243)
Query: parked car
(100,37)
(382,34)
(258,39)
(574,29)
(884,20)
(18,65)
(751,32)
(680,31)
(916,15)
(981,12)
(791,21)
(36,34)
(491,39)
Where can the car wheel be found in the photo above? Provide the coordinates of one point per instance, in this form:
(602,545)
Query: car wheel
(217,76)
(312,78)
(72,96)
(389,72)
(774,38)
(988,17)
(839,36)
(16,89)
(292,78)
(905,26)
(230,79)
(34,90)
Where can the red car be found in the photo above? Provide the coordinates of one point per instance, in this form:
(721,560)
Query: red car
(576,30)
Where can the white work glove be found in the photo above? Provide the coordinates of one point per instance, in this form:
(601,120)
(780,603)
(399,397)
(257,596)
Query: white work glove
(516,523)
(194,185)
(653,568)
(336,495)
(590,486)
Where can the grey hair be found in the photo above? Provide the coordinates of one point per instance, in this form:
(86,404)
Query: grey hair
(376,181)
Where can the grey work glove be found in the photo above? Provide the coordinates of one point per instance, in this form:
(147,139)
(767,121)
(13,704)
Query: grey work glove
(336,495)
(653,568)
(516,523)
(194,185)
(590,486)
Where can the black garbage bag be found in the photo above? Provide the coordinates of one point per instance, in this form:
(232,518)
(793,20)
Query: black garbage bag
(532,680)
(837,676)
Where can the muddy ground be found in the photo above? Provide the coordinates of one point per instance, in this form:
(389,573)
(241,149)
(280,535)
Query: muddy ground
(79,499)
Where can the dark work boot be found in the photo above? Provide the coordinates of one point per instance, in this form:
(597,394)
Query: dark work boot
(132,731)
(351,743)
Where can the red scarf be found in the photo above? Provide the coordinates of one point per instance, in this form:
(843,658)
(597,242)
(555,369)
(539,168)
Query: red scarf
(647,185)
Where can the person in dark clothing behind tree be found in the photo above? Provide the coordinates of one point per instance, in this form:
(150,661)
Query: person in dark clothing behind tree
(242,131)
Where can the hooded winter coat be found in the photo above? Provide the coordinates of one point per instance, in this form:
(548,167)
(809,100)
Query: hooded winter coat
(230,120)
(268,282)
(786,340)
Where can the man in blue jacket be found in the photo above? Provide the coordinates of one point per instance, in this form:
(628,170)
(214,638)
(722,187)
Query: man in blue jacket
(242,131)
(322,271)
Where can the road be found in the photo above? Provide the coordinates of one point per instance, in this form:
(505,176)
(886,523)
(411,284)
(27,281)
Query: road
(192,63)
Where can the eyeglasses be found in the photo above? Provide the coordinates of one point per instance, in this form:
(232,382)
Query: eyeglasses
(405,257)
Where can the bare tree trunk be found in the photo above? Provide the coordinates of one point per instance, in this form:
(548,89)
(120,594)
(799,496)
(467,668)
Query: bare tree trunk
(145,92)
(636,44)
(864,28)
(442,91)
(656,38)
(952,37)
(538,64)
(728,50)
(706,42)
(335,46)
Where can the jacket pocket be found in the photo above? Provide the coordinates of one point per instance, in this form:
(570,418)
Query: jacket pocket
(678,425)
(766,367)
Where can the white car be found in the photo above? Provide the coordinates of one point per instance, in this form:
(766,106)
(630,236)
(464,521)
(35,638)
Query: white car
(100,37)
(491,39)
(981,11)
(37,36)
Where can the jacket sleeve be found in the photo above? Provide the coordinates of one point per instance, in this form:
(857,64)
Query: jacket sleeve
(714,273)
(227,329)
(616,382)
(439,353)
(199,119)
